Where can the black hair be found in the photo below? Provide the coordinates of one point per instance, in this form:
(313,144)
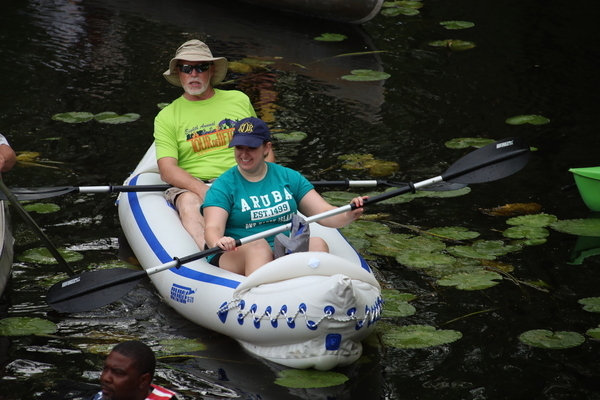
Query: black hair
(141,354)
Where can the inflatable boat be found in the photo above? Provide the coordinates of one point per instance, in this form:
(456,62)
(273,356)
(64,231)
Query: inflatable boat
(303,310)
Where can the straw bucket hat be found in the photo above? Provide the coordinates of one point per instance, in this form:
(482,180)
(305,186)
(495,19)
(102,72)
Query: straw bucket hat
(195,50)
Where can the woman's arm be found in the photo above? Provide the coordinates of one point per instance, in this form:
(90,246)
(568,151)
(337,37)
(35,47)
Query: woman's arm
(8,158)
(312,204)
(215,219)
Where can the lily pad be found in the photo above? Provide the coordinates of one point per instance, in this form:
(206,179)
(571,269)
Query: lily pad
(362,75)
(454,232)
(21,326)
(419,259)
(290,137)
(109,117)
(419,336)
(362,228)
(551,340)
(457,24)
(580,227)
(526,232)
(309,378)
(471,281)
(527,119)
(73,117)
(515,209)
(594,332)
(453,44)
(162,105)
(447,194)
(395,244)
(43,256)
(536,220)
(338,199)
(591,304)
(463,143)
(331,37)
(41,208)
(180,346)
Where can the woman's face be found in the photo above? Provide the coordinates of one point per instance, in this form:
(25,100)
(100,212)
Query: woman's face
(251,159)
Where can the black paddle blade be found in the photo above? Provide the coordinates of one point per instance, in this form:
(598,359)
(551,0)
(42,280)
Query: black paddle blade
(489,163)
(92,290)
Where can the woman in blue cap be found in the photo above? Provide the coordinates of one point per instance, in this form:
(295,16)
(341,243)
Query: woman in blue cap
(255,196)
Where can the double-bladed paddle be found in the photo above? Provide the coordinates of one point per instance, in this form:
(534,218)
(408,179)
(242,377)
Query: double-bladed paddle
(55,191)
(95,289)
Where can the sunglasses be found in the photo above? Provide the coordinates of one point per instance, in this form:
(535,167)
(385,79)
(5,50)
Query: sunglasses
(200,68)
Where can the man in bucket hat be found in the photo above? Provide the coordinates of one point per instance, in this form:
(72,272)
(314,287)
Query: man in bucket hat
(192,134)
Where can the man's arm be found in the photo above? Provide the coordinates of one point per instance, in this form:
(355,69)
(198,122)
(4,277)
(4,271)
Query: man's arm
(174,175)
(8,158)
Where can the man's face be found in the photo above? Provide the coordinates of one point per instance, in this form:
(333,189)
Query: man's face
(195,83)
(120,380)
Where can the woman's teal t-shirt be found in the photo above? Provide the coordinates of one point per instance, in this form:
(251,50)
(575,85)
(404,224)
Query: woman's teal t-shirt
(255,207)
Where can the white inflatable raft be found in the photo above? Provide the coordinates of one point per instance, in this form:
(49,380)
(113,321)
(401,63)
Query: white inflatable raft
(304,310)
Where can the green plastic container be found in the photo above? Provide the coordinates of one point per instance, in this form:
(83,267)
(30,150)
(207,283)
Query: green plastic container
(588,183)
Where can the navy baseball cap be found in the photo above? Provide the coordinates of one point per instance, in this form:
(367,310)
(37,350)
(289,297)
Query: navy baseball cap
(251,132)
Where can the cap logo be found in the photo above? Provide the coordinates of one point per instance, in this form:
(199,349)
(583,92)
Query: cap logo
(246,127)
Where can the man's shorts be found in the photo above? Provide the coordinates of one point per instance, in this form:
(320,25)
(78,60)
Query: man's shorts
(171,194)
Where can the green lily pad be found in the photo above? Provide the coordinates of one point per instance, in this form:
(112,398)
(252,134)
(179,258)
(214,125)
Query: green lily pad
(331,37)
(447,194)
(290,137)
(362,228)
(551,340)
(528,232)
(395,11)
(463,143)
(73,117)
(457,24)
(580,227)
(162,105)
(21,326)
(309,378)
(454,232)
(535,220)
(591,304)
(396,304)
(361,75)
(338,199)
(452,44)
(527,119)
(180,346)
(594,332)
(419,259)
(41,208)
(471,281)
(460,265)
(419,336)
(109,117)
(43,256)
(396,243)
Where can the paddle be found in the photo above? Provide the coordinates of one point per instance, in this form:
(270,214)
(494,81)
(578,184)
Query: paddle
(40,234)
(48,192)
(98,288)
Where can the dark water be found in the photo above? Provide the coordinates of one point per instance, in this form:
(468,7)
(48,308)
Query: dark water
(531,58)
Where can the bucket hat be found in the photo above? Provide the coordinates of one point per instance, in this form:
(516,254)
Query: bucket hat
(251,132)
(195,50)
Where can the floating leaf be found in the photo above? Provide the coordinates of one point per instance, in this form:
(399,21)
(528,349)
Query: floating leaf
(454,232)
(419,259)
(580,227)
(309,378)
(180,346)
(527,119)
(457,24)
(447,194)
(43,256)
(591,304)
(463,143)
(471,281)
(362,228)
(528,232)
(537,220)
(452,44)
(21,326)
(460,265)
(395,11)
(509,210)
(338,198)
(162,105)
(366,75)
(594,332)
(290,137)
(551,340)
(41,208)
(389,245)
(239,67)
(109,117)
(383,168)
(73,117)
(419,336)
(396,303)
(331,37)
(402,3)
